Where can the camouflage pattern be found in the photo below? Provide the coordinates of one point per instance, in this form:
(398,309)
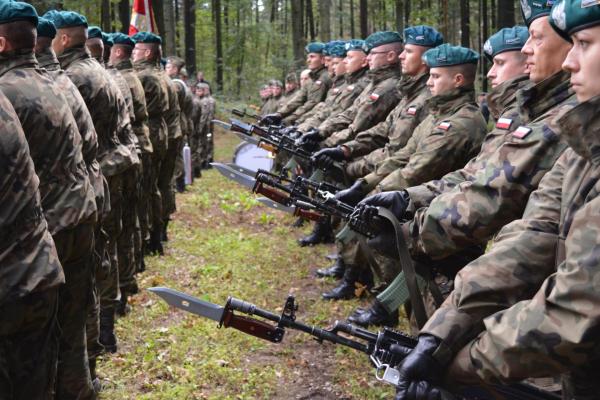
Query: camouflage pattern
(206,116)
(370,107)
(346,94)
(186,105)
(473,203)
(308,96)
(272,105)
(536,290)
(451,134)
(334,90)
(195,139)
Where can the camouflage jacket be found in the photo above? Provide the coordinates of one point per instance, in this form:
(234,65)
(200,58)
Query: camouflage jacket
(370,107)
(271,105)
(172,117)
(197,114)
(334,90)
(343,98)
(186,105)
(448,137)
(157,103)
(28,259)
(393,133)
(534,296)
(103,99)
(140,121)
(207,113)
(473,203)
(83,119)
(54,141)
(311,94)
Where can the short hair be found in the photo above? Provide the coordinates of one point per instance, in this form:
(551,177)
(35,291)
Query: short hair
(78,34)
(468,71)
(43,43)
(176,61)
(95,46)
(127,50)
(20,34)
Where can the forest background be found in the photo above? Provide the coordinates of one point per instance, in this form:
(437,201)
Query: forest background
(240,44)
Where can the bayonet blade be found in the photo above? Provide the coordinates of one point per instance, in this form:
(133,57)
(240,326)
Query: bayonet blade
(241,169)
(277,206)
(222,124)
(189,303)
(238,177)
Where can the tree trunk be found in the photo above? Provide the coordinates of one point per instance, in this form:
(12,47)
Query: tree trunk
(341,17)
(325,18)
(352,27)
(169,33)
(124,15)
(407,12)
(465,25)
(506,14)
(398,14)
(189,25)
(297,32)
(216,11)
(485,32)
(310,21)
(364,19)
(105,16)
(157,7)
(444,22)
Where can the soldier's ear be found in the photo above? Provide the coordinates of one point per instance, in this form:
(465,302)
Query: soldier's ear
(459,80)
(3,44)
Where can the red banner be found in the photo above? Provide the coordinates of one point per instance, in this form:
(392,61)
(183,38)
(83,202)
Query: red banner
(142,21)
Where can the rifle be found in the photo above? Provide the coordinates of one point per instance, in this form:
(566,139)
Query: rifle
(386,348)
(243,114)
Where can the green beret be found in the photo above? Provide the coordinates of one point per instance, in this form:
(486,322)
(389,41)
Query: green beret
(506,39)
(45,28)
(107,39)
(568,17)
(330,45)
(66,19)
(315,47)
(11,11)
(447,56)
(423,35)
(94,32)
(147,37)
(380,38)
(355,44)
(122,39)
(534,9)
(338,50)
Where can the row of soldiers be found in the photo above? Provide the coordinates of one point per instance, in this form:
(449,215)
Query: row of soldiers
(500,224)
(90,154)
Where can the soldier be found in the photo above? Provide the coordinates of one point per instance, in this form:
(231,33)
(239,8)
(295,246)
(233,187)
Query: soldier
(31,273)
(207,114)
(265,95)
(493,188)
(145,57)
(275,100)
(529,307)
(311,94)
(67,197)
(291,87)
(447,138)
(196,140)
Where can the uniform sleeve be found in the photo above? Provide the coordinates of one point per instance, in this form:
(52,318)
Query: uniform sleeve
(521,257)
(157,102)
(316,94)
(372,138)
(296,101)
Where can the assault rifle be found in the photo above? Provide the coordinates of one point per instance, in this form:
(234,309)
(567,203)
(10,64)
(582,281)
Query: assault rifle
(386,349)
(243,114)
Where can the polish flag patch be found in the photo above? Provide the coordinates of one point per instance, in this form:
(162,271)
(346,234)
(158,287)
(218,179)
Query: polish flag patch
(521,132)
(374,96)
(411,111)
(504,123)
(444,126)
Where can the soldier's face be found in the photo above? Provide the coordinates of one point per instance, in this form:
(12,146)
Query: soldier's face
(275,90)
(314,61)
(583,62)
(355,60)
(171,70)
(442,80)
(410,59)
(545,50)
(58,43)
(138,54)
(289,86)
(339,68)
(507,65)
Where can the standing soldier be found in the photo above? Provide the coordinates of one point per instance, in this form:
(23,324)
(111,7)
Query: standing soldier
(196,137)
(30,273)
(207,115)
(67,196)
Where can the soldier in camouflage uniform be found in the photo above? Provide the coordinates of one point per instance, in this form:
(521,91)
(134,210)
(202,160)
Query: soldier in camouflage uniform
(207,103)
(196,138)
(145,57)
(67,196)
(265,95)
(291,87)
(30,272)
(529,307)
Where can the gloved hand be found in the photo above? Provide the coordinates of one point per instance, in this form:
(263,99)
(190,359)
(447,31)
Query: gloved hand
(288,131)
(396,202)
(326,157)
(421,373)
(271,119)
(353,194)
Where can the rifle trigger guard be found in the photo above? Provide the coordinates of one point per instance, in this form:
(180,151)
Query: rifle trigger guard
(390,375)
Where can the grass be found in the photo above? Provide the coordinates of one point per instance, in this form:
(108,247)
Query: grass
(222,243)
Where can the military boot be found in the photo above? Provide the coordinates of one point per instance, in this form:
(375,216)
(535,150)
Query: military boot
(96,384)
(123,308)
(346,290)
(375,315)
(164,237)
(298,223)
(335,271)
(155,246)
(107,329)
(180,185)
(322,233)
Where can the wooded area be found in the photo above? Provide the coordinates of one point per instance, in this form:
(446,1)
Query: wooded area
(239,44)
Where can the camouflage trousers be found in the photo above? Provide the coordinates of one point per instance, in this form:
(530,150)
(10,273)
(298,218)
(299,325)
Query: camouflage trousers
(107,276)
(29,335)
(165,179)
(156,211)
(196,149)
(75,249)
(145,196)
(126,243)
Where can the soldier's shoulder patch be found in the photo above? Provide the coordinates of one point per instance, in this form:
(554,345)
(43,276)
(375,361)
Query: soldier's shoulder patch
(318,82)
(412,110)
(521,132)
(504,123)
(374,96)
(350,88)
(444,125)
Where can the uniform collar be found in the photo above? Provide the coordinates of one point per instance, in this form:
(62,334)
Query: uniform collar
(47,59)
(317,72)
(17,59)
(73,54)
(449,102)
(356,75)
(409,85)
(124,64)
(504,94)
(383,73)
(536,99)
(145,64)
(580,126)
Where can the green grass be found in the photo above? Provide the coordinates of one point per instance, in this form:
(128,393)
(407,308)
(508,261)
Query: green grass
(222,243)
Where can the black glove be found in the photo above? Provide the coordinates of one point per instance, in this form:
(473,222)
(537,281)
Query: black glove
(421,373)
(271,119)
(326,157)
(311,136)
(353,194)
(396,202)
(289,131)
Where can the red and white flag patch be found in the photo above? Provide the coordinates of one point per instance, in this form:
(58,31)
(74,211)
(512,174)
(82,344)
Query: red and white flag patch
(504,123)
(521,132)
(444,125)
(374,96)
(411,110)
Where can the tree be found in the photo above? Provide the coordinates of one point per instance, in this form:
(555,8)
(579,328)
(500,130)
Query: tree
(325,20)
(189,24)
(216,11)
(124,15)
(105,20)
(298,41)
(506,14)
(364,18)
(465,24)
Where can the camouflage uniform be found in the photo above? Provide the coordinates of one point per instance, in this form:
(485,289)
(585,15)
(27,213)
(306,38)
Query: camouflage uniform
(311,94)
(30,273)
(389,136)
(195,138)
(68,202)
(372,106)
(538,280)
(206,116)
(186,105)
(342,98)
(271,105)
(334,90)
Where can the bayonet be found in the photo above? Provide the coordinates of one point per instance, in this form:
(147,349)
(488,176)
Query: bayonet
(232,174)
